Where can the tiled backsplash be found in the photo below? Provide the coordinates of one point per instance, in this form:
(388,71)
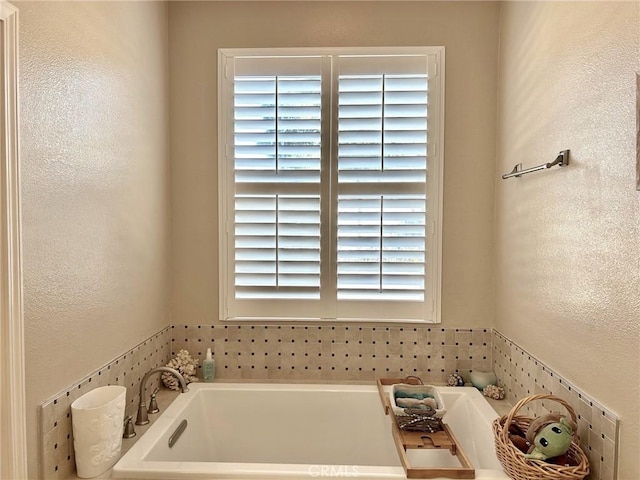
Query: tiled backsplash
(521,374)
(335,353)
(329,353)
(56,436)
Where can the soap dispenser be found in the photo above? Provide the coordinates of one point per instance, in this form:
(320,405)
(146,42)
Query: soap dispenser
(209,367)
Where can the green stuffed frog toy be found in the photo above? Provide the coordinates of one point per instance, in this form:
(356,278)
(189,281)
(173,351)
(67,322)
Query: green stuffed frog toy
(550,436)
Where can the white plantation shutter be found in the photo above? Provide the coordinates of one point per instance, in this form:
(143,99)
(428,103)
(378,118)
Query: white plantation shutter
(277,148)
(381,247)
(382,171)
(277,253)
(330,185)
(277,129)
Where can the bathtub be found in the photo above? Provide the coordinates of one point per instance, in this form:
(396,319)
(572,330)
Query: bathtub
(299,431)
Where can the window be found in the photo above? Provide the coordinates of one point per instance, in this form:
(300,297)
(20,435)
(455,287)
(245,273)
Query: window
(330,183)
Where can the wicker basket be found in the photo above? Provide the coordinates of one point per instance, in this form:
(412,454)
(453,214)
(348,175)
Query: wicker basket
(414,419)
(517,466)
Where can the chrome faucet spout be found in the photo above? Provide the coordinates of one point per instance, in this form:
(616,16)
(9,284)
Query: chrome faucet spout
(143,417)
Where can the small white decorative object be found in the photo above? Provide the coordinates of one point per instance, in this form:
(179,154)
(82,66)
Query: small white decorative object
(493,391)
(184,363)
(97,419)
(481,379)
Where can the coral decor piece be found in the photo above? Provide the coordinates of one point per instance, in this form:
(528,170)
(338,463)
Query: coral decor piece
(493,391)
(184,363)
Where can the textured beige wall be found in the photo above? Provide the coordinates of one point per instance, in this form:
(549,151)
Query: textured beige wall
(94,129)
(469,31)
(567,260)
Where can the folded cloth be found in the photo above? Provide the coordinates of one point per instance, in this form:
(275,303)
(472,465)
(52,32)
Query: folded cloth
(417,395)
(426,397)
(428,404)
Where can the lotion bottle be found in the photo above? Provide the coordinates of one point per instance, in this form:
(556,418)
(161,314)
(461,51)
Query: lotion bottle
(209,367)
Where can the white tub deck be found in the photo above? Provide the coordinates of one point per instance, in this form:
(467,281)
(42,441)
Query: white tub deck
(298,431)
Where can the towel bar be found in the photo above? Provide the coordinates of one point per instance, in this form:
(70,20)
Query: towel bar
(561,160)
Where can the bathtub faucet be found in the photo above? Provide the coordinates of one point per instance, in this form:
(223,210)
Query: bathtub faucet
(143,417)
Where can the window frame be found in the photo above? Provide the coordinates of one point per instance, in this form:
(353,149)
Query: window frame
(431,312)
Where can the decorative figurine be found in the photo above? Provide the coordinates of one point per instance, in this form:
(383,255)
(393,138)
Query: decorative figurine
(550,436)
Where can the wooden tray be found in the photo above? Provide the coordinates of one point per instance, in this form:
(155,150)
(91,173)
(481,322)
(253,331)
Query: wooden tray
(443,439)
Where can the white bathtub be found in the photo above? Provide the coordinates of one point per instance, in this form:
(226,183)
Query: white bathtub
(299,431)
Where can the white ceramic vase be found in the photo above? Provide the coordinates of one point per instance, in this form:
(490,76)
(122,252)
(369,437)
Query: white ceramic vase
(97,418)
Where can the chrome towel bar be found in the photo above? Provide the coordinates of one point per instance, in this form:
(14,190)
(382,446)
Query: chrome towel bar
(561,160)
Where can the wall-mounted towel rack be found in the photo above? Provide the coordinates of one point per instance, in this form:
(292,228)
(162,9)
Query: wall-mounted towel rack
(561,160)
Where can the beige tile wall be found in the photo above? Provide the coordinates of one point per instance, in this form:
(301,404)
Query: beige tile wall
(521,374)
(337,353)
(329,352)
(565,274)
(56,436)
(94,168)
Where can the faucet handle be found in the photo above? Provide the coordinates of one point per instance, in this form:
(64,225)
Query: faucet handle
(153,404)
(129,431)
